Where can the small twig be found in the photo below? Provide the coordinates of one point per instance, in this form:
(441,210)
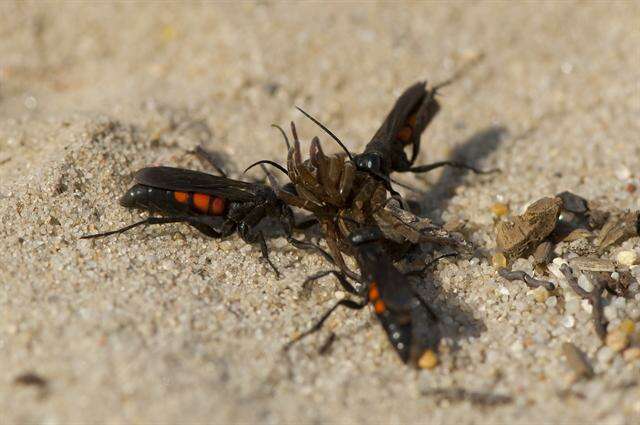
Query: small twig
(594,297)
(474,397)
(529,280)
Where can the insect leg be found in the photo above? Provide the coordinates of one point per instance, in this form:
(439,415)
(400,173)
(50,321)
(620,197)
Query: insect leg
(306,223)
(340,276)
(331,236)
(309,246)
(248,233)
(209,158)
(196,221)
(346,181)
(430,264)
(250,236)
(455,164)
(352,305)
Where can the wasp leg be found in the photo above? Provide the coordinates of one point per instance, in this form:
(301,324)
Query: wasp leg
(306,223)
(340,276)
(308,246)
(250,236)
(209,158)
(420,271)
(199,222)
(352,305)
(455,164)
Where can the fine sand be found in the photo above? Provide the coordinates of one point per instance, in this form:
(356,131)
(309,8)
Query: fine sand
(164,325)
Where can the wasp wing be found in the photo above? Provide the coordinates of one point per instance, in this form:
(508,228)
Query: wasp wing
(415,108)
(376,266)
(183,180)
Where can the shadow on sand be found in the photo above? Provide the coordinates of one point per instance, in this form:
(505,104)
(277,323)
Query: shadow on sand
(456,318)
(471,152)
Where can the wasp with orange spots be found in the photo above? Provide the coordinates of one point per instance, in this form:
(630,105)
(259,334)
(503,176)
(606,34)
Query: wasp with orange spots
(409,117)
(217,206)
(410,324)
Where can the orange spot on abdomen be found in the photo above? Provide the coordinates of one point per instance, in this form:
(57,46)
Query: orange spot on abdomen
(181,197)
(201,202)
(412,120)
(404,135)
(379,307)
(218,206)
(374,294)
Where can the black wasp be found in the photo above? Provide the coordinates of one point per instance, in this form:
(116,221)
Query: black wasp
(411,114)
(411,326)
(216,206)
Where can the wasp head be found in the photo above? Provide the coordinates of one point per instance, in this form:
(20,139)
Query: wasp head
(371,161)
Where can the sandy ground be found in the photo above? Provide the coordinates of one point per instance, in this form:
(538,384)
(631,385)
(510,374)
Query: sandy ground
(164,325)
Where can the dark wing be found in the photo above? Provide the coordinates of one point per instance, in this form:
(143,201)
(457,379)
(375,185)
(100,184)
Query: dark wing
(376,266)
(411,114)
(182,180)
(411,326)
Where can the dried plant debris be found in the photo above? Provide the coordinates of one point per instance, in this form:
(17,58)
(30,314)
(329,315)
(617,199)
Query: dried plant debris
(570,219)
(526,278)
(618,229)
(573,203)
(565,218)
(594,297)
(592,264)
(542,254)
(578,213)
(458,395)
(522,234)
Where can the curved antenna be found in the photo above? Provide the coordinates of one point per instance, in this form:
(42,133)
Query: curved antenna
(326,130)
(286,139)
(459,73)
(266,161)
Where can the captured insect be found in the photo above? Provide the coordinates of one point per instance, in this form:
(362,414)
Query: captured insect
(410,324)
(340,196)
(216,206)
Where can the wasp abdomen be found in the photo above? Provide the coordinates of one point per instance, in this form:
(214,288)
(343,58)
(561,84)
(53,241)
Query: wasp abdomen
(399,333)
(201,202)
(170,201)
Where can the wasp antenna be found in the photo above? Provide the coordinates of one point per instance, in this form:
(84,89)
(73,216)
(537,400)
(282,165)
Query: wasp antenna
(286,139)
(266,161)
(459,73)
(326,130)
